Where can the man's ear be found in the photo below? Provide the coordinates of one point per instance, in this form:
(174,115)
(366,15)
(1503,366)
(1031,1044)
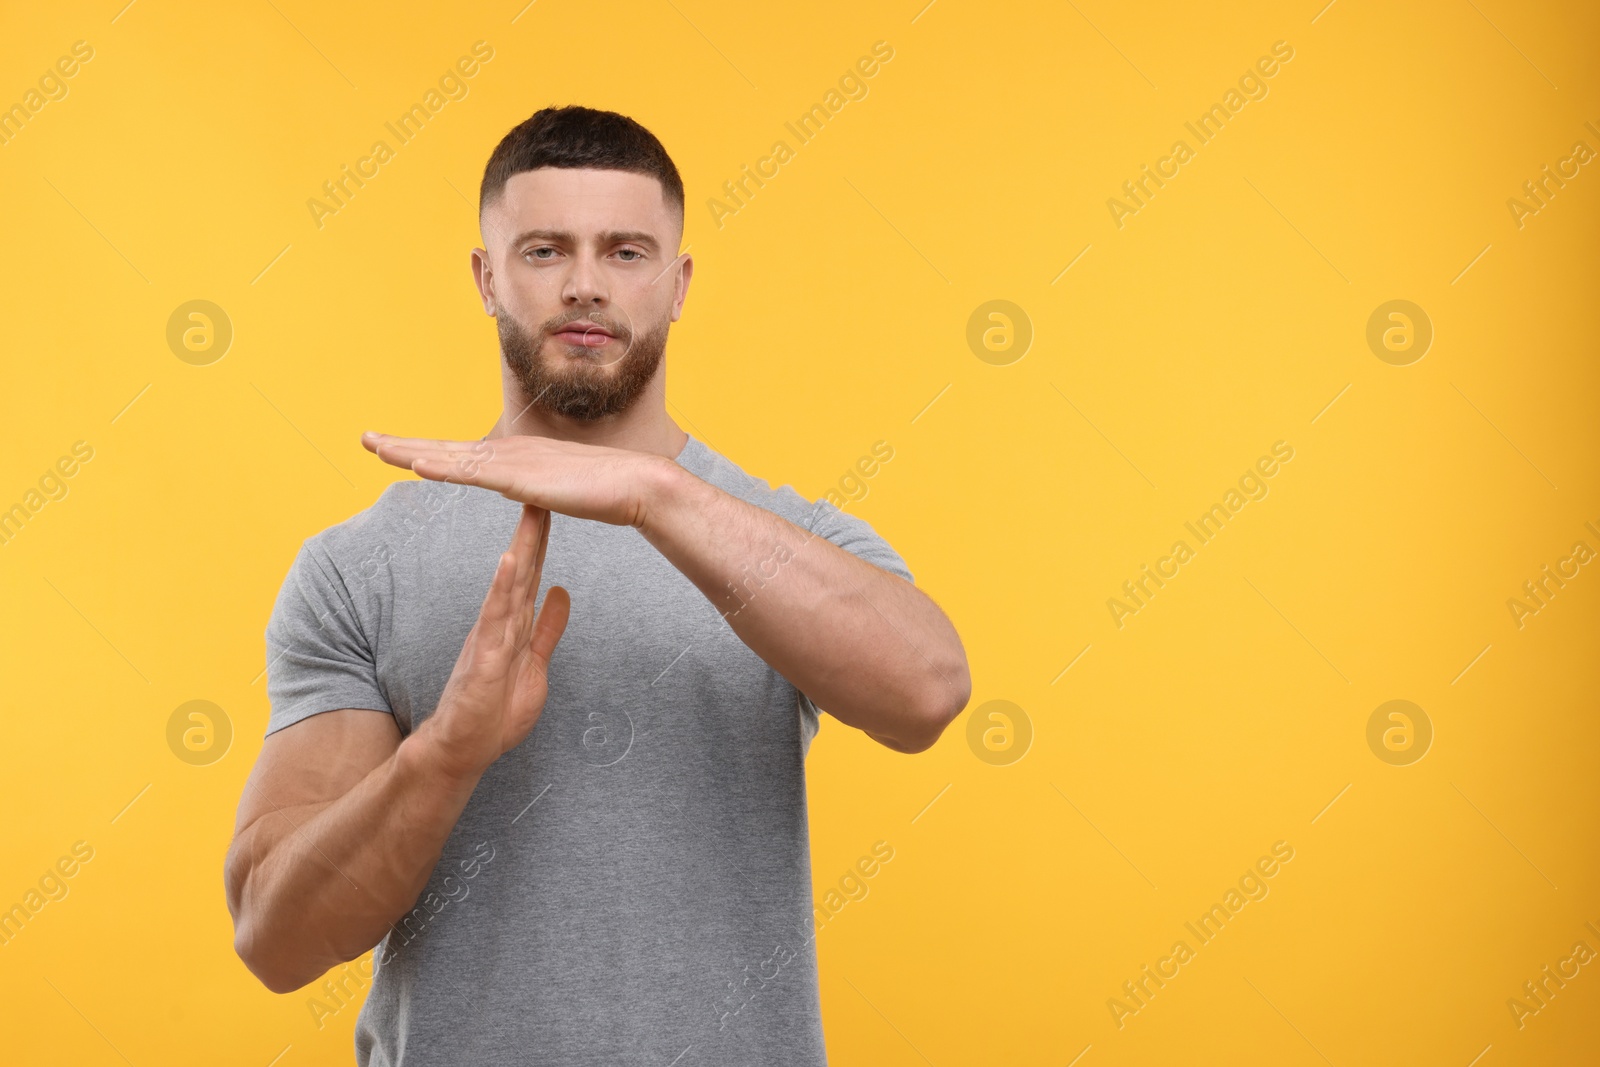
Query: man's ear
(685,272)
(483,277)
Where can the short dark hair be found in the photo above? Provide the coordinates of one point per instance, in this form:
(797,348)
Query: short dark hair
(573,137)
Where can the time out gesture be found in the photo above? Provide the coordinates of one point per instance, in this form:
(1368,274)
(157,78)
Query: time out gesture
(865,645)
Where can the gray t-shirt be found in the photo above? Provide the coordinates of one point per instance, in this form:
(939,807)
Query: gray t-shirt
(632,883)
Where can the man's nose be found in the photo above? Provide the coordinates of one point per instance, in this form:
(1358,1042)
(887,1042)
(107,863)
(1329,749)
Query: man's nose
(585,284)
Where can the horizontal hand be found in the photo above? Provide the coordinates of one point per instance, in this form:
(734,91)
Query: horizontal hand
(609,485)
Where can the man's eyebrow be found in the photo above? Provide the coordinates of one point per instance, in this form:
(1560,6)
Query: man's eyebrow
(608,237)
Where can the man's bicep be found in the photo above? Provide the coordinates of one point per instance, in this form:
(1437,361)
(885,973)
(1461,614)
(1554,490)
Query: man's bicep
(301,770)
(316,761)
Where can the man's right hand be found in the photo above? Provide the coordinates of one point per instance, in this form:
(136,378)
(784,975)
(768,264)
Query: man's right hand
(499,684)
(342,821)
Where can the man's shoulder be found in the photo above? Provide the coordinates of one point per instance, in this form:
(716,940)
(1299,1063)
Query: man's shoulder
(717,469)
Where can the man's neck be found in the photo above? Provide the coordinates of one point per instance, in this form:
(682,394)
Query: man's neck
(644,427)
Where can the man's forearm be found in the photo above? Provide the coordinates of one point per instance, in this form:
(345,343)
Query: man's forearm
(864,644)
(317,886)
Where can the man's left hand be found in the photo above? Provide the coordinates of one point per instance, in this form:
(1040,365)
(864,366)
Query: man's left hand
(610,485)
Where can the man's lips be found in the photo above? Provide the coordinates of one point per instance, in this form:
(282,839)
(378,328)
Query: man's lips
(587,336)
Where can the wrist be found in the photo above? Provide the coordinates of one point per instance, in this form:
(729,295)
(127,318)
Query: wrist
(661,482)
(423,757)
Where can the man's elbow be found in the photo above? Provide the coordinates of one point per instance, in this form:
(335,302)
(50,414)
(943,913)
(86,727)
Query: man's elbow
(947,698)
(253,943)
(268,971)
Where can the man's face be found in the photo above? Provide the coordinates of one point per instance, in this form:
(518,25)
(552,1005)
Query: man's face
(583,281)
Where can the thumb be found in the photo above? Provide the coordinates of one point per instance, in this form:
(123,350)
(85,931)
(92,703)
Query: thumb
(550,625)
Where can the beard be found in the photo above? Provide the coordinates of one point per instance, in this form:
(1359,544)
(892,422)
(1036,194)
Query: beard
(582,387)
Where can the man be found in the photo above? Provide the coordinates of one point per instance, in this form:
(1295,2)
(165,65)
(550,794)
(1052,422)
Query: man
(575,830)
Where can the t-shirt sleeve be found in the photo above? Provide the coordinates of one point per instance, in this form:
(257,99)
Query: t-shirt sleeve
(318,657)
(856,536)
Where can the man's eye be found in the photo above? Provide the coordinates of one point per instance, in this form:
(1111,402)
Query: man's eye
(542,248)
(631,252)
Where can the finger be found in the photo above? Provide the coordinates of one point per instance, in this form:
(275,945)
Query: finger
(525,546)
(542,517)
(411,447)
(551,624)
(498,477)
(465,456)
(543,520)
(408,458)
(544,542)
(497,602)
(523,595)
(536,572)
(372,440)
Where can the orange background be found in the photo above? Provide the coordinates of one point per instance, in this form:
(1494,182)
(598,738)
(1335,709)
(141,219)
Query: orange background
(831,311)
